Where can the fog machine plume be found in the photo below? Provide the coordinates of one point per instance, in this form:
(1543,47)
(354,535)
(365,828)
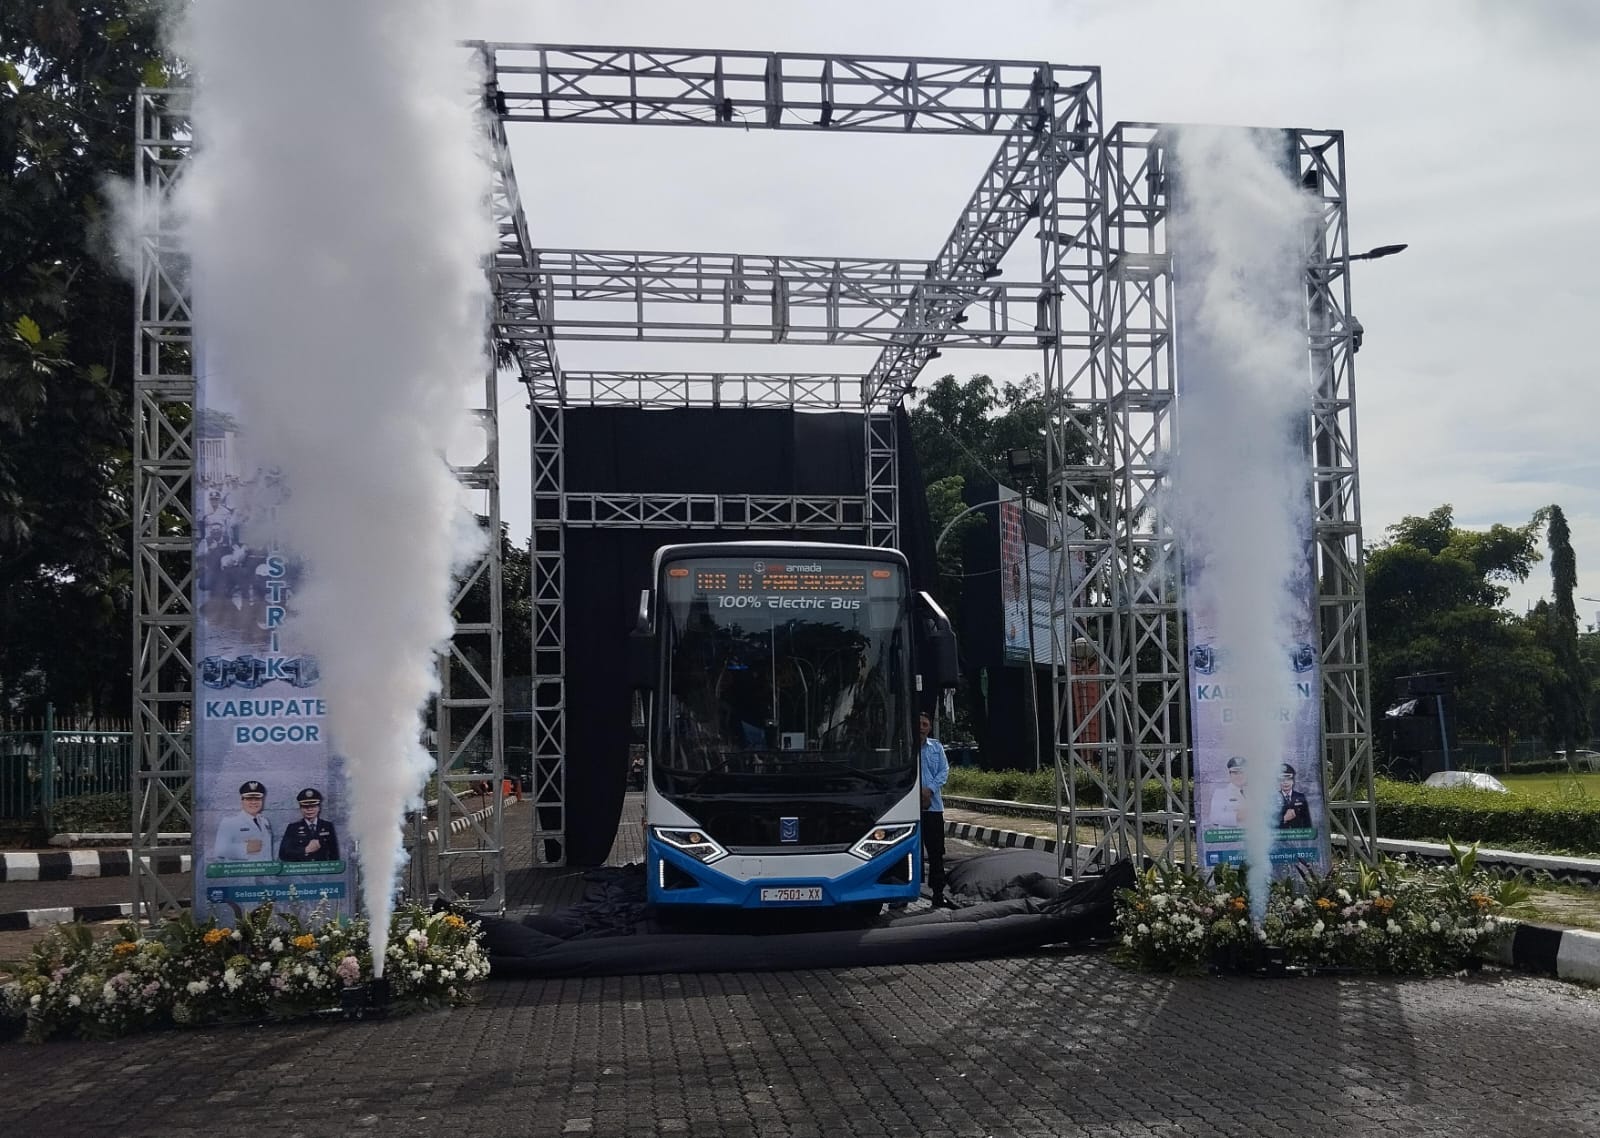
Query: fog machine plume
(336,211)
(1240,491)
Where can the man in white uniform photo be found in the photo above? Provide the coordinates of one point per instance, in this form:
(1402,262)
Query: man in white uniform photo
(247,835)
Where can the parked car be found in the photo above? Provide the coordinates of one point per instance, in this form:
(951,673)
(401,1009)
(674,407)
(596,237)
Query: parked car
(1475,779)
(1580,760)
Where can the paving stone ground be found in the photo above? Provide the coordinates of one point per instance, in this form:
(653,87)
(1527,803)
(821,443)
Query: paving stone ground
(1058,1045)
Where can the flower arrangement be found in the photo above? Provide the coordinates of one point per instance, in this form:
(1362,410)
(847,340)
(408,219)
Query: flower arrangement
(1393,918)
(265,965)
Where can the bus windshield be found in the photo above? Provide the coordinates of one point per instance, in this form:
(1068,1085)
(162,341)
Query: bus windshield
(784,683)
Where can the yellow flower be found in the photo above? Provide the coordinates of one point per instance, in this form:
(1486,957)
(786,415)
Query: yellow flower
(1237,904)
(1325,905)
(217,936)
(305,943)
(1481,900)
(1383,904)
(451,921)
(124,947)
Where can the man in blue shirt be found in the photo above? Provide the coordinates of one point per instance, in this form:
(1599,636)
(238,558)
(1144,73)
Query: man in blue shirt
(935,771)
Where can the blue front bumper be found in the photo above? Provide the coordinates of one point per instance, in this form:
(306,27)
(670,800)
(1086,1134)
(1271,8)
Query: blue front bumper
(856,884)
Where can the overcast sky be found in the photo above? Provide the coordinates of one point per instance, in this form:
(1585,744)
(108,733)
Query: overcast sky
(1470,134)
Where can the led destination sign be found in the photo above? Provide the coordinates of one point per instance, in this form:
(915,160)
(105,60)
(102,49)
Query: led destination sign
(789,579)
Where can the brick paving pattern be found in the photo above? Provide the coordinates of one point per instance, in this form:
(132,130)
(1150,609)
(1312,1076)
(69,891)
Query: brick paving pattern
(1057,1045)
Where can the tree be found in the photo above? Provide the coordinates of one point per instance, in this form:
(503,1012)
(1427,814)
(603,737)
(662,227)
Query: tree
(1433,596)
(1567,696)
(68,73)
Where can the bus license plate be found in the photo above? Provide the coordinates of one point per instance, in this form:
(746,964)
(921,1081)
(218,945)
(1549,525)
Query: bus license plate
(792,893)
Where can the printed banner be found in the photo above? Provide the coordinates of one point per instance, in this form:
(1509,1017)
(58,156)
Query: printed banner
(1297,815)
(269,807)
(1025,568)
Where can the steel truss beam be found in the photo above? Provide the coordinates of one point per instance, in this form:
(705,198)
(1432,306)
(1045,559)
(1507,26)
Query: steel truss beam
(1147,661)
(1055,136)
(777,90)
(659,389)
(738,298)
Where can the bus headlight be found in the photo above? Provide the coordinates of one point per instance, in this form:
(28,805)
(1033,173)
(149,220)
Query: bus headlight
(881,838)
(696,843)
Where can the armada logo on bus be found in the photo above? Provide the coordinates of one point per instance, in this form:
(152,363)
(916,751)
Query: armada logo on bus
(788,829)
(802,568)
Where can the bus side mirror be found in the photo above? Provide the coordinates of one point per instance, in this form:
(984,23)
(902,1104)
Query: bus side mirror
(641,661)
(946,667)
(942,667)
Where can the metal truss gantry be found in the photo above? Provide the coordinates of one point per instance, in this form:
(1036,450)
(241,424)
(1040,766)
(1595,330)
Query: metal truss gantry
(1045,175)
(470,704)
(1132,619)
(1098,309)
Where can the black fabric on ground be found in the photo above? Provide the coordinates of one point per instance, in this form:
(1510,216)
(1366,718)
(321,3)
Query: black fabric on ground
(1004,874)
(620,936)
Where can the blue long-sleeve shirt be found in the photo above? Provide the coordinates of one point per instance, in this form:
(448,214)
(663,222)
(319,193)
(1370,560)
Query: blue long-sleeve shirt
(935,772)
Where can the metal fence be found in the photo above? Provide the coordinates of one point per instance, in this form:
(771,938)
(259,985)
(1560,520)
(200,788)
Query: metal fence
(44,762)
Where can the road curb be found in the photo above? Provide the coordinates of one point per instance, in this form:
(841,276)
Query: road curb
(20,920)
(1547,950)
(63,865)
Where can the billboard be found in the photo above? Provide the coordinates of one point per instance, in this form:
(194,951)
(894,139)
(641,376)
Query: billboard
(270,803)
(1026,599)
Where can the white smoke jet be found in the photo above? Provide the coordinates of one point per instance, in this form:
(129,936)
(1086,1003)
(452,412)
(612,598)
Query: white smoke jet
(1239,488)
(336,211)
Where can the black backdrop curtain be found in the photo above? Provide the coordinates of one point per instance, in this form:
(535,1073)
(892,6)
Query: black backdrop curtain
(683,451)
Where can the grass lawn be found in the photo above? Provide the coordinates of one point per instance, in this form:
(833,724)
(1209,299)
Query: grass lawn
(1553,785)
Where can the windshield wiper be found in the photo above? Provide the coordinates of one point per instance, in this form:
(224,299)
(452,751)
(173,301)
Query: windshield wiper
(849,768)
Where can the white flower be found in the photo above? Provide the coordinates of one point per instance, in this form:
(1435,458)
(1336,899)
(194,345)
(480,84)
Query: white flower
(198,987)
(33,1001)
(264,967)
(1144,929)
(1127,940)
(1299,904)
(1434,926)
(74,1000)
(1362,925)
(1394,928)
(1317,929)
(1343,895)
(1159,900)
(276,945)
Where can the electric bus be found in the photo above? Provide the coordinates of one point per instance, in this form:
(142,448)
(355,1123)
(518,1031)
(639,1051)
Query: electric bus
(780,683)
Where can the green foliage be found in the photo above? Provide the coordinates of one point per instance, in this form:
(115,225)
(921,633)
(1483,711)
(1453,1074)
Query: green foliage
(91,814)
(1567,823)
(1433,592)
(1567,695)
(1035,788)
(68,72)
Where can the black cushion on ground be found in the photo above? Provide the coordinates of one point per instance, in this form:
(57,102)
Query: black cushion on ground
(621,936)
(1004,874)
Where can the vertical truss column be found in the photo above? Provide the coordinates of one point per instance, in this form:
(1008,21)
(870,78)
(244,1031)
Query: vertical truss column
(1084,619)
(470,708)
(524,333)
(163,518)
(1140,351)
(1341,599)
(883,477)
